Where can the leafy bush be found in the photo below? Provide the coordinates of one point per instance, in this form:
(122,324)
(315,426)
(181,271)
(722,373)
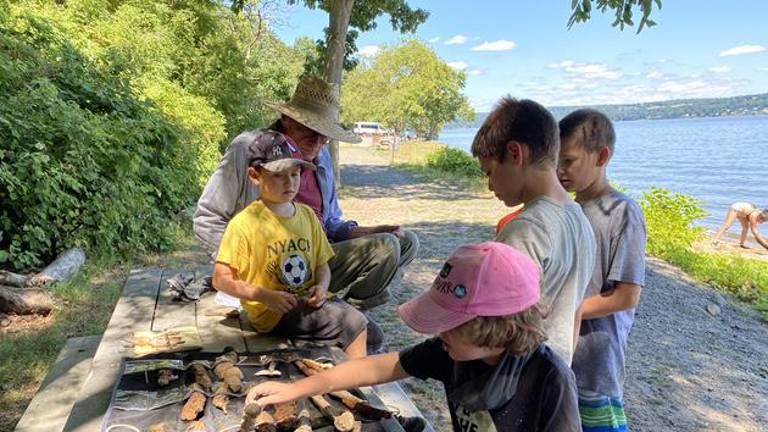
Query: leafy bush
(454,161)
(669,219)
(83,161)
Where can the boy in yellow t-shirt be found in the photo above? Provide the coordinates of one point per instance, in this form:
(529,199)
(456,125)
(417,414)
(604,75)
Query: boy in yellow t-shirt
(274,257)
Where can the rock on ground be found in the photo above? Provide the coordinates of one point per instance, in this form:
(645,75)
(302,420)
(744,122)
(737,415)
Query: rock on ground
(687,370)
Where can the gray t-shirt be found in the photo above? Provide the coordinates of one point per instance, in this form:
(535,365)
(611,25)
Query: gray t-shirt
(620,233)
(559,239)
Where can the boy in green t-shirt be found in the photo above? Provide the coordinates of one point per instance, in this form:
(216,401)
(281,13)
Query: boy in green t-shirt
(274,257)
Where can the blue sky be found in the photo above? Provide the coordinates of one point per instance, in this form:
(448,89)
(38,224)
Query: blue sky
(523,48)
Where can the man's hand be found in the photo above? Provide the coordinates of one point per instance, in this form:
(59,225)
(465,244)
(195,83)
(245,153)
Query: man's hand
(317,296)
(361,231)
(271,393)
(278,301)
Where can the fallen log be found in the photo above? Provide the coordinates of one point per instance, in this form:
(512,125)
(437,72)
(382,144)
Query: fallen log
(13,279)
(67,264)
(25,301)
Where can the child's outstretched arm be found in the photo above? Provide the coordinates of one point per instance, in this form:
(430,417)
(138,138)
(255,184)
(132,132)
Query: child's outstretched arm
(624,296)
(225,279)
(355,373)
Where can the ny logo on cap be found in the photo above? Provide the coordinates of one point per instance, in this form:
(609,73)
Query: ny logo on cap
(277,151)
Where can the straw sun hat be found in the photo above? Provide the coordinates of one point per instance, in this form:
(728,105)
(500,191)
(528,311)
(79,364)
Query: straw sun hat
(315,104)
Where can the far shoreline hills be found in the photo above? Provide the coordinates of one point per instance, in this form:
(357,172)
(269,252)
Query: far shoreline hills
(748,105)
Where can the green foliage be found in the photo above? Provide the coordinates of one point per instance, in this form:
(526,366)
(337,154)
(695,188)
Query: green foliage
(671,235)
(454,161)
(669,219)
(406,87)
(402,17)
(113,113)
(581,11)
(84,163)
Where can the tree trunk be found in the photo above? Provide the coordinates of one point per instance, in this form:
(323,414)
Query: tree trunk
(25,301)
(338,22)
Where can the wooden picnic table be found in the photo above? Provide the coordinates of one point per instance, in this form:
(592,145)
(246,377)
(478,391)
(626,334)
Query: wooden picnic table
(145,304)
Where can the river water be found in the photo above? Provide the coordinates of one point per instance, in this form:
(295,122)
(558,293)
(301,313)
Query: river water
(716,160)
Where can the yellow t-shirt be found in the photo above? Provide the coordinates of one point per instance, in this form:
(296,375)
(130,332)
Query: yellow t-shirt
(274,252)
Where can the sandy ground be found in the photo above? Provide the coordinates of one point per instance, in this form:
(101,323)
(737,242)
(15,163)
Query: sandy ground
(687,370)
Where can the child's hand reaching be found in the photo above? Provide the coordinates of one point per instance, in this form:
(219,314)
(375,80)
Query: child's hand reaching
(272,392)
(317,296)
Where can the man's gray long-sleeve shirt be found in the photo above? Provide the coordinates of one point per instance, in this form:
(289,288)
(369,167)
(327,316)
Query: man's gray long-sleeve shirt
(230,190)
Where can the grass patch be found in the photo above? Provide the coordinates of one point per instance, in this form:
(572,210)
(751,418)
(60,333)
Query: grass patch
(84,305)
(437,162)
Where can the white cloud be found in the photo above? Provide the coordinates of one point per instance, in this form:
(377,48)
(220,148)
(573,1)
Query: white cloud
(369,51)
(434,40)
(587,70)
(742,49)
(654,74)
(459,65)
(720,69)
(456,40)
(562,65)
(499,45)
(474,72)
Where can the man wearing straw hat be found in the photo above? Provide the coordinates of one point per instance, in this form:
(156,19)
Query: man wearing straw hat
(366,258)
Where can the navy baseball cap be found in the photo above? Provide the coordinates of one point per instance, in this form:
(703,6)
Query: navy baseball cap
(272,151)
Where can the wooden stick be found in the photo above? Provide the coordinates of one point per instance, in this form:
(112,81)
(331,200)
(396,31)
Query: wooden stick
(250,412)
(360,406)
(343,420)
(304,421)
(285,415)
(195,404)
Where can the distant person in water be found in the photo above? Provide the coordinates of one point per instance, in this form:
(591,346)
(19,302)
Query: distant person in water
(749,216)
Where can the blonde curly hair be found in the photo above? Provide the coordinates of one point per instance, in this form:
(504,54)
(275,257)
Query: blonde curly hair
(519,333)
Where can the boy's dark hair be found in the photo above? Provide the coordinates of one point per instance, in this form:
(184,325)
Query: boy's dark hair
(524,121)
(520,333)
(591,128)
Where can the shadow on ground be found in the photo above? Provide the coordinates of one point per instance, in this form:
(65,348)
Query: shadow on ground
(376,181)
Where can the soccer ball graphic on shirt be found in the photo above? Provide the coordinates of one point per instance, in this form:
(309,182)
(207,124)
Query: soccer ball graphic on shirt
(294,270)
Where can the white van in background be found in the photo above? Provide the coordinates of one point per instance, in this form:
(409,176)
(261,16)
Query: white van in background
(373,133)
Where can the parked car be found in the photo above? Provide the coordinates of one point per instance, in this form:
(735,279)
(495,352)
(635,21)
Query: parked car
(373,133)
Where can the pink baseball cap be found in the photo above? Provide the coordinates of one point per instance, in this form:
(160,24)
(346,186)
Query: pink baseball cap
(487,279)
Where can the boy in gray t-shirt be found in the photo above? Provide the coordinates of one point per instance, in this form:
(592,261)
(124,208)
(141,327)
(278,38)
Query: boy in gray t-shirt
(608,310)
(518,147)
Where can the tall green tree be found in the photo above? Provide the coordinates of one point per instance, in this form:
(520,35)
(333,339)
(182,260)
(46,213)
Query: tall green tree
(336,51)
(406,87)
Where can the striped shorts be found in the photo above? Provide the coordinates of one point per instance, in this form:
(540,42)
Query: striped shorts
(601,413)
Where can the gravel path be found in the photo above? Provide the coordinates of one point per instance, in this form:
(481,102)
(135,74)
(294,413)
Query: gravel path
(688,370)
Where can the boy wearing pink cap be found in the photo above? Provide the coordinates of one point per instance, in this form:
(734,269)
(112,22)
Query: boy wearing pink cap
(488,350)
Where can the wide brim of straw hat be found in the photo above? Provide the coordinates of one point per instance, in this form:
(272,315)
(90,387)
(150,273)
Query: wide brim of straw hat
(317,122)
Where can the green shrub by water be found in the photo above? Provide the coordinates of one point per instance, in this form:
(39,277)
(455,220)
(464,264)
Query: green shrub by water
(669,219)
(454,161)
